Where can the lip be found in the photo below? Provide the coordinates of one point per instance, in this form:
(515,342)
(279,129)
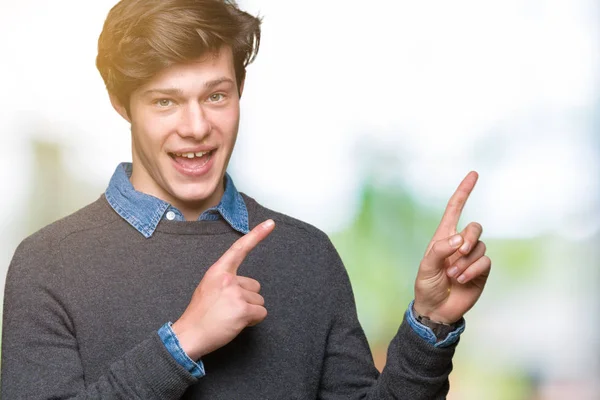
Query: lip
(194,172)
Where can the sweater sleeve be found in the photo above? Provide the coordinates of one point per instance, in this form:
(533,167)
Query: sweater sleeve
(40,356)
(414,370)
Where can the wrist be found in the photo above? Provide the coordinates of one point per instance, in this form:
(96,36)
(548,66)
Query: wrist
(189,341)
(420,310)
(171,343)
(441,330)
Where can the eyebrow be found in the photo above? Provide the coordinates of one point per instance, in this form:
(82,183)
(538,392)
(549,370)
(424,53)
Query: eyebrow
(178,92)
(216,82)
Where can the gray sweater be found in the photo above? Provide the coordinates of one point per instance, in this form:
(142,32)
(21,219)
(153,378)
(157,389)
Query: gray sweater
(86,295)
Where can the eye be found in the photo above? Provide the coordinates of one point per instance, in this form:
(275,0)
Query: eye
(216,97)
(164,102)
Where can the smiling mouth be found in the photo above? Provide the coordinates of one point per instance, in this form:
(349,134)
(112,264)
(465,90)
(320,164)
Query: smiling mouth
(192,160)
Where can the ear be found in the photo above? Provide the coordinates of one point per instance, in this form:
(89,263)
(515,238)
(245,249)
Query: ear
(119,107)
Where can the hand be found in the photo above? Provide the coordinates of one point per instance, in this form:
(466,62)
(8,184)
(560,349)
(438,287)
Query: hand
(454,271)
(223,303)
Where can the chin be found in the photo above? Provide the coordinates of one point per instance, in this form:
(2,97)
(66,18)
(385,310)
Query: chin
(195,195)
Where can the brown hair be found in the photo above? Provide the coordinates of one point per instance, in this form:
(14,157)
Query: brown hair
(142,37)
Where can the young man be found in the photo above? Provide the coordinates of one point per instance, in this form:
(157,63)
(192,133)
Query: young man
(89,299)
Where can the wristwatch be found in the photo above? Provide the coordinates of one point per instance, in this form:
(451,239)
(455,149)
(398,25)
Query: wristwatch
(440,329)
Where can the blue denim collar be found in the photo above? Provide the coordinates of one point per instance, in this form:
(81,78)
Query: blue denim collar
(144,212)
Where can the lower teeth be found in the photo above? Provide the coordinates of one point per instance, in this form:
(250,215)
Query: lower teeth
(207,160)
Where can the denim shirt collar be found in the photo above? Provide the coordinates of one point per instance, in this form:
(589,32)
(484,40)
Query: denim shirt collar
(144,212)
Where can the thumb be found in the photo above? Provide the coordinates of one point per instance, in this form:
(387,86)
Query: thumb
(439,251)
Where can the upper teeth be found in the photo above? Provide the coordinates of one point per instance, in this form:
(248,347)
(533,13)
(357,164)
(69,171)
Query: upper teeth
(191,155)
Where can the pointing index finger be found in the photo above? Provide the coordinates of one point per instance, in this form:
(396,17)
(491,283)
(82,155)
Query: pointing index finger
(456,204)
(234,256)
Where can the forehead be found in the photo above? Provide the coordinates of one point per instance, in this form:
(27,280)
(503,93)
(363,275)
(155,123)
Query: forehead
(193,77)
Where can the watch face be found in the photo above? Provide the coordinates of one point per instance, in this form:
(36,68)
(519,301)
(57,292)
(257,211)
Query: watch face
(440,331)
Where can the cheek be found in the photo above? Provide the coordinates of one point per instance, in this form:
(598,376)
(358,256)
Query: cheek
(231,121)
(151,132)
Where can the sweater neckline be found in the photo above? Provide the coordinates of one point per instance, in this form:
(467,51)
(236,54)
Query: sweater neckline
(206,227)
(194,227)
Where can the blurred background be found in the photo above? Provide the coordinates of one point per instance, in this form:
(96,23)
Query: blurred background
(362,118)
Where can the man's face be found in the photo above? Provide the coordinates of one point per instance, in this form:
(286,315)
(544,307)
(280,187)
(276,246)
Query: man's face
(184,124)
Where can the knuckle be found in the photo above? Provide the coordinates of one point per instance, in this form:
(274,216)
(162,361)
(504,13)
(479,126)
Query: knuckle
(483,246)
(244,308)
(226,278)
(435,249)
(238,246)
(461,263)
(239,308)
(232,292)
(262,313)
(210,273)
(239,295)
(454,202)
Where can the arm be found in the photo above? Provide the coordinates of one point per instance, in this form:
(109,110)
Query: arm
(40,358)
(450,279)
(415,369)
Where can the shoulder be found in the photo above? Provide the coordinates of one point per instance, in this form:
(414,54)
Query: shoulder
(37,279)
(47,241)
(258,213)
(291,233)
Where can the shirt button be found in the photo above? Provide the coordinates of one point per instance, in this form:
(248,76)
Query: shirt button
(170,215)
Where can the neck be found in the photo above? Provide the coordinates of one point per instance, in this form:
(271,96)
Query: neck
(191,210)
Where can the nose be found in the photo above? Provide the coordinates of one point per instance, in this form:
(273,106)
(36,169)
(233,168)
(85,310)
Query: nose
(194,123)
